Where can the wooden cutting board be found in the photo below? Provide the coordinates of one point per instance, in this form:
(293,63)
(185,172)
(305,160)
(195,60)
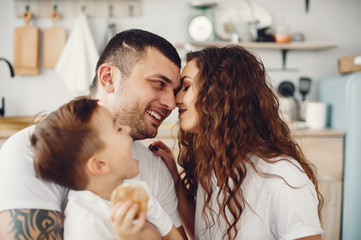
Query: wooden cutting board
(53,42)
(26,48)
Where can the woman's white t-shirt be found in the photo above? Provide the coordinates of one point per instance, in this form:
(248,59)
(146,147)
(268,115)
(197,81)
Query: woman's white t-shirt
(274,210)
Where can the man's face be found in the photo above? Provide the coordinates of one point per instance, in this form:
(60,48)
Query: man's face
(147,96)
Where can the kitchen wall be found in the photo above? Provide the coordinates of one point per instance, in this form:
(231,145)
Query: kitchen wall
(327,21)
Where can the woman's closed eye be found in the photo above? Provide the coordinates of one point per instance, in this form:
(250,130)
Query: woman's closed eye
(185,88)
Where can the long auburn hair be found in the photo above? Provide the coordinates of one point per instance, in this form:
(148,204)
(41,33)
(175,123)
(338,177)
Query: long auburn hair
(238,116)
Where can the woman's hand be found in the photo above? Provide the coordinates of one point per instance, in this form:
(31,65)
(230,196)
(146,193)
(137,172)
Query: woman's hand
(163,151)
(122,217)
(186,206)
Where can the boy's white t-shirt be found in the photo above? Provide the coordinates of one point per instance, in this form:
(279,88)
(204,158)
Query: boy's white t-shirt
(21,189)
(274,210)
(87,216)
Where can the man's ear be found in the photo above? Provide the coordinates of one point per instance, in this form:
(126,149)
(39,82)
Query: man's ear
(106,73)
(97,167)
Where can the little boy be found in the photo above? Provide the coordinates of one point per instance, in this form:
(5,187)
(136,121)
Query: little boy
(81,146)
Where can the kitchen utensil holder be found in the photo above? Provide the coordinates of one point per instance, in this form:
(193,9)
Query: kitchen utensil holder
(72,8)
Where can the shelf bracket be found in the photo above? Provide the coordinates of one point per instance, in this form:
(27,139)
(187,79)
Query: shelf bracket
(307,5)
(284,58)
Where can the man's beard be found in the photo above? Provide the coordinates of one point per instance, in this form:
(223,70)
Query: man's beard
(134,118)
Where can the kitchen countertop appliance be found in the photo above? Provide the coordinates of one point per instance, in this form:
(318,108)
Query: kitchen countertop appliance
(342,95)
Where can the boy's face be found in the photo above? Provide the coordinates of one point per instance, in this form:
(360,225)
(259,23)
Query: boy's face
(118,143)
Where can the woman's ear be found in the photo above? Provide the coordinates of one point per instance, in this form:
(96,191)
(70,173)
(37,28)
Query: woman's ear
(105,75)
(97,167)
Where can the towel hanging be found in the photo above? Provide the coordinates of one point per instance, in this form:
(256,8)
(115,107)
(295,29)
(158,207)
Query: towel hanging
(76,64)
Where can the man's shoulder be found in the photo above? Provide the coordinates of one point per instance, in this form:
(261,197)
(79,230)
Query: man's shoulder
(20,137)
(141,152)
(18,143)
(149,163)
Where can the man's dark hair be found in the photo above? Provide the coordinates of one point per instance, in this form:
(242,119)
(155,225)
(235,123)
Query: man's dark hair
(126,48)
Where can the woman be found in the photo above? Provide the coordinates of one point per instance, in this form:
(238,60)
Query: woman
(243,176)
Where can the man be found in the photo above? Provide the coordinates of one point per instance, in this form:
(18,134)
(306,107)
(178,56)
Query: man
(137,77)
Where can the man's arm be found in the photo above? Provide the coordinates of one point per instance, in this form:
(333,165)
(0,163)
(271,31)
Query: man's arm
(31,224)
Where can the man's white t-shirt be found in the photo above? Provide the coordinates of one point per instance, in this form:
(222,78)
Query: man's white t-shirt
(93,212)
(274,210)
(21,189)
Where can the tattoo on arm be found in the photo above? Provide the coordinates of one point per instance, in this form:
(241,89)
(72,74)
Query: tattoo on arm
(36,224)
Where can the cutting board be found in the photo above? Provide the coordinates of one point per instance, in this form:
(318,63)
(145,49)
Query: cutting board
(26,48)
(53,42)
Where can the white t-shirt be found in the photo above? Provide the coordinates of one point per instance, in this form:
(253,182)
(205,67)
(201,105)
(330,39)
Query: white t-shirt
(274,210)
(93,212)
(21,189)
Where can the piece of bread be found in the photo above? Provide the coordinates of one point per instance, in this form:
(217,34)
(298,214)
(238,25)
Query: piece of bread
(133,192)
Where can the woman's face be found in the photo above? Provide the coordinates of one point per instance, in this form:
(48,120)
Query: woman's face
(186,97)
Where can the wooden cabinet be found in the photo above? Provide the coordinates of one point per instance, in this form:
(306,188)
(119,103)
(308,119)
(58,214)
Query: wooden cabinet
(5,134)
(325,149)
(13,124)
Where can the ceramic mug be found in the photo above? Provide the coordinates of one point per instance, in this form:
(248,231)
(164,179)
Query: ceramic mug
(316,114)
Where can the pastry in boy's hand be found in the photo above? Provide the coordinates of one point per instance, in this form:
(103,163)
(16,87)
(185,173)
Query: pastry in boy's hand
(133,192)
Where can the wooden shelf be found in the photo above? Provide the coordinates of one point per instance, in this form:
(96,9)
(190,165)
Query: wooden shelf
(266,45)
(284,47)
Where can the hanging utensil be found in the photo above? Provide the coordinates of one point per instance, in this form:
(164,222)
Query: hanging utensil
(304,87)
(288,102)
(27,47)
(111,27)
(287,89)
(54,39)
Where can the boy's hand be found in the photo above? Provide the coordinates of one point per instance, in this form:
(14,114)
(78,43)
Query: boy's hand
(163,151)
(122,217)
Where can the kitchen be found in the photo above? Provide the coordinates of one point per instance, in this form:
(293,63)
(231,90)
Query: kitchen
(331,22)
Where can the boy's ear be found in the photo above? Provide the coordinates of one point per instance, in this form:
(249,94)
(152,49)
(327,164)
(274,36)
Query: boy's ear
(97,167)
(106,74)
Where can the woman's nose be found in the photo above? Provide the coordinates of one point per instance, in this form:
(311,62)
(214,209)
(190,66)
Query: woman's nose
(179,97)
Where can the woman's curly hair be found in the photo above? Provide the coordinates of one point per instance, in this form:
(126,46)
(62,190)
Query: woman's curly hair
(238,116)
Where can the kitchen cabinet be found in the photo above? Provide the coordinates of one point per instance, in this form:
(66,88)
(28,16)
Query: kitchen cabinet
(11,125)
(283,47)
(324,149)
(5,134)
